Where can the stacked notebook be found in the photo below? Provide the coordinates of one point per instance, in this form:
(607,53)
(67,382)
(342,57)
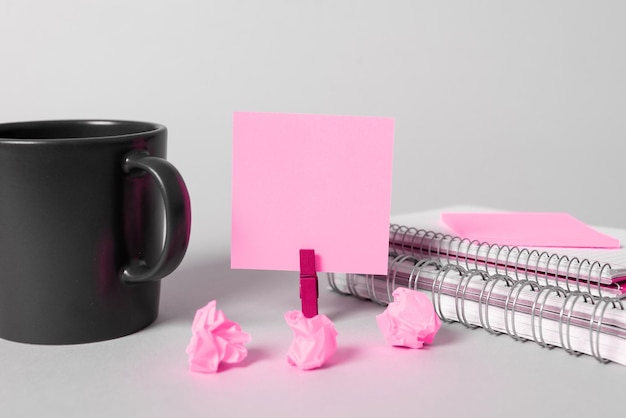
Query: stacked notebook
(557,297)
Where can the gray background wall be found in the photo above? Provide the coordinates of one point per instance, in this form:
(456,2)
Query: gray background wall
(517,105)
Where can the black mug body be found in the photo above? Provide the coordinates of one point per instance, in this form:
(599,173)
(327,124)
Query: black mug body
(75,218)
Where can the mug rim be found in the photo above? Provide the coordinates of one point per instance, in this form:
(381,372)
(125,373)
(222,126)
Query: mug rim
(135,128)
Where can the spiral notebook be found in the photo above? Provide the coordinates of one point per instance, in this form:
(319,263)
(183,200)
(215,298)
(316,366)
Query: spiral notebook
(548,315)
(600,272)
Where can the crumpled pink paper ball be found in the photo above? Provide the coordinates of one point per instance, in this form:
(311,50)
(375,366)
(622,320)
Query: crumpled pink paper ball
(410,320)
(215,339)
(315,340)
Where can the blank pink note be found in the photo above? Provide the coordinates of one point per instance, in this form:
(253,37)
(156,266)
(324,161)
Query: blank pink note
(316,182)
(527,229)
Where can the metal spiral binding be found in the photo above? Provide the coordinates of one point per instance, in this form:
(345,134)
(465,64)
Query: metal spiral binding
(512,261)
(594,333)
(459,299)
(484,314)
(517,287)
(564,334)
(538,338)
(437,286)
(455,281)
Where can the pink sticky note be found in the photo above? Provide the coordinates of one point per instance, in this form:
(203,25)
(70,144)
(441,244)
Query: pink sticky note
(311,181)
(527,229)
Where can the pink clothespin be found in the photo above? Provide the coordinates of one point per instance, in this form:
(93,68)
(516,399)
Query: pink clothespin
(308,283)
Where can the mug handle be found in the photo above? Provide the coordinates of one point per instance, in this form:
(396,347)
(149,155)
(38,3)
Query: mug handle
(177,217)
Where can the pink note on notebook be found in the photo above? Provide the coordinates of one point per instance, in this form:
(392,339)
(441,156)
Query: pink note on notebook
(317,182)
(527,229)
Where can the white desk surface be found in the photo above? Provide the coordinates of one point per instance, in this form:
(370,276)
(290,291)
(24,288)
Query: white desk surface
(464,373)
(488,97)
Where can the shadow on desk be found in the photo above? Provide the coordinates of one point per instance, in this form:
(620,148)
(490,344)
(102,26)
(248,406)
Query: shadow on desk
(255,294)
(193,285)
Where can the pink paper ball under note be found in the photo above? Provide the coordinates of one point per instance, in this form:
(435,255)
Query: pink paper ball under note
(410,320)
(215,339)
(315,340)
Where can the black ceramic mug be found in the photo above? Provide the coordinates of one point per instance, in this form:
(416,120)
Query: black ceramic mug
(92,216)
